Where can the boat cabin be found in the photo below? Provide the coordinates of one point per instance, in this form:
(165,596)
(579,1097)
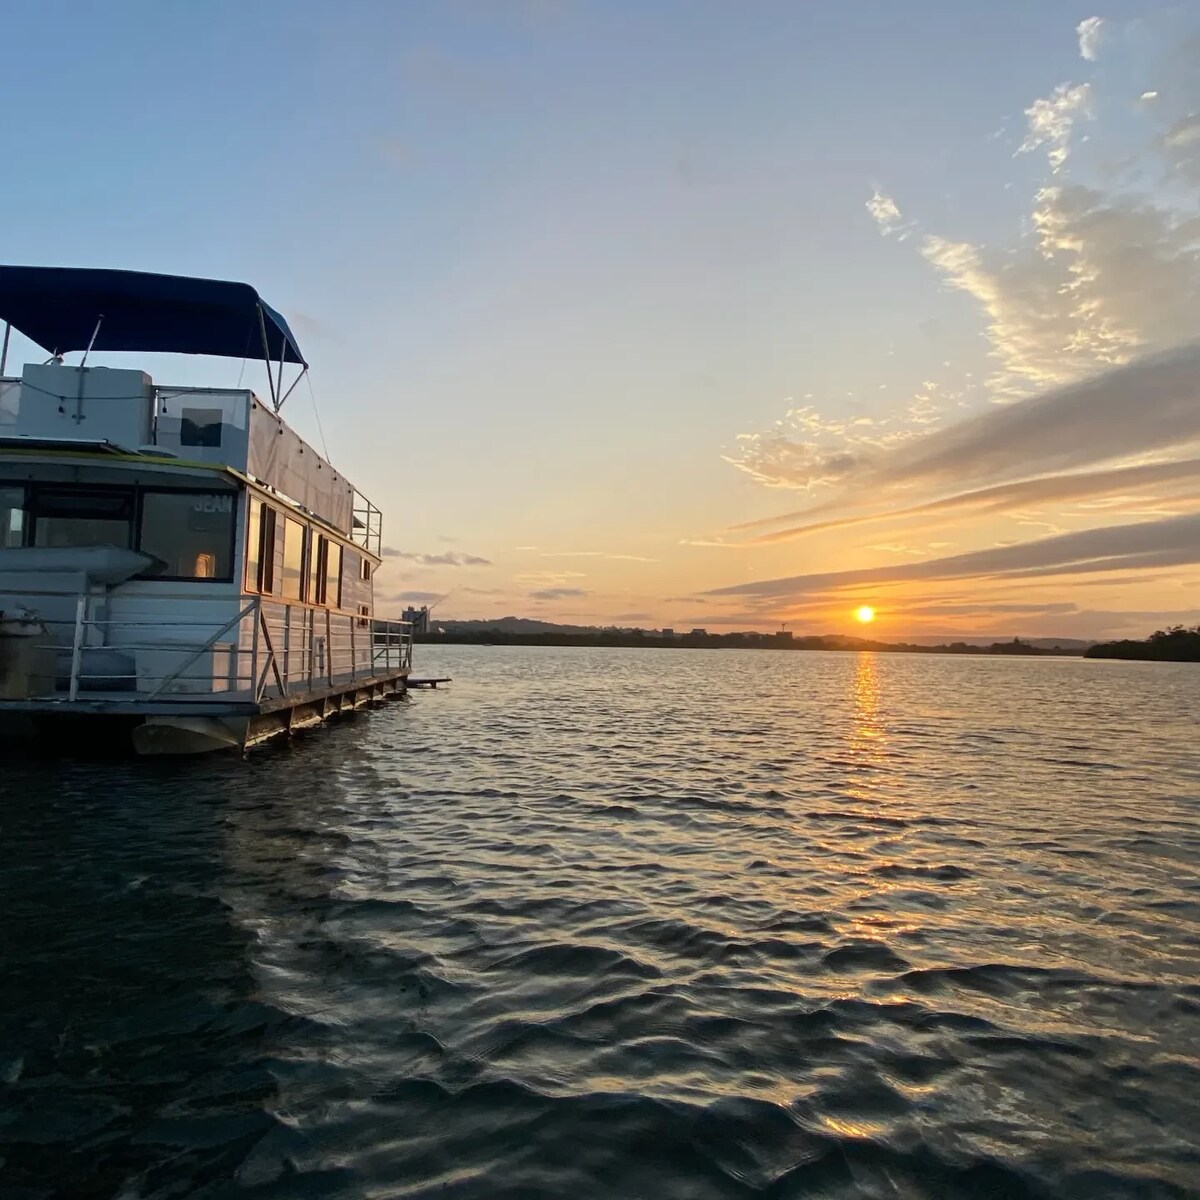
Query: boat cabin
(174,554)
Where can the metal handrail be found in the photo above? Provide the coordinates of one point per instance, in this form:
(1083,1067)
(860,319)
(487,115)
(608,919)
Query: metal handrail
(267,644)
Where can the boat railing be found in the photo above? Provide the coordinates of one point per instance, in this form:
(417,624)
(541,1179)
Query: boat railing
(366,524)
(391,645)
(265,650)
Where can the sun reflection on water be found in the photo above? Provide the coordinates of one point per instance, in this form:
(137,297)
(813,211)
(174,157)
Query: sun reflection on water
(867,738)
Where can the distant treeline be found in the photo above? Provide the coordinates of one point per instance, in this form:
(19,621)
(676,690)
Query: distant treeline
(732,641)
(1177,644)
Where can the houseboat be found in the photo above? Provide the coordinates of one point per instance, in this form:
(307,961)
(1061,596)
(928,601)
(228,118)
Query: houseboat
(178,568)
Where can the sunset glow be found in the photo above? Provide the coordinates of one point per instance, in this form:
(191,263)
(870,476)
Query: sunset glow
(1004,442)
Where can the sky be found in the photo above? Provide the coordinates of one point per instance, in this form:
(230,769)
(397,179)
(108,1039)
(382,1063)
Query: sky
(668,313)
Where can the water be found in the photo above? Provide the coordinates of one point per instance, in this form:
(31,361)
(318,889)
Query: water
(623,923)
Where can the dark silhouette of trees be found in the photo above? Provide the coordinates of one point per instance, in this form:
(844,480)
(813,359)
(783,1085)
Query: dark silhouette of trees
(738,641)
(1177,644)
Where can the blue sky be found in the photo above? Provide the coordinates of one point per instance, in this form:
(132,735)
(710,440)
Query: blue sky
(549,258)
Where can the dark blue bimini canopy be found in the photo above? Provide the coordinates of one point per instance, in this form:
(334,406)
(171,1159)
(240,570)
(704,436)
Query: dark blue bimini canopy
(58,307)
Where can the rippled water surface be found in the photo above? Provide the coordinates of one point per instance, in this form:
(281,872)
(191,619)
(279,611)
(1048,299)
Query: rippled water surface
(625,924)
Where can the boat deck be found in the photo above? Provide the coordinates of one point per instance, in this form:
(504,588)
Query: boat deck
(124,703)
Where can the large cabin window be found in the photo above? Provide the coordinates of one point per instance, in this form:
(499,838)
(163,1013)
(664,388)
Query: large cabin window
(332,595)
(326,567)
(12,516)
(293,559)
(189,533)
(313,570)
(72,519)
(268,533)
(253,542)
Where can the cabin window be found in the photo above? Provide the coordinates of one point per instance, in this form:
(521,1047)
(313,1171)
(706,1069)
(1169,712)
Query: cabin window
(314,571)
(12,516)
(77,518)
(365,570)
(351,574)
(268,527)
(332,595)
(189,533)
(253,542)
(200,427)
(319,551)
(293,559)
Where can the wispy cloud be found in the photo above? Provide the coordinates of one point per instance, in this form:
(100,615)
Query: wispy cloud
(548,577)
(1097,282)
(1171,541)
(449,558)
(968,610)
(1118,486)
(1146,406)
(597,554)
(557,593)
(1181,146)
(1052,118)
(1091,32)
(807,450)
(1149,407)
(886,214)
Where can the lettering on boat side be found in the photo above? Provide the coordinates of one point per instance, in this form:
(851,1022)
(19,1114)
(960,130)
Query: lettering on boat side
(213,504)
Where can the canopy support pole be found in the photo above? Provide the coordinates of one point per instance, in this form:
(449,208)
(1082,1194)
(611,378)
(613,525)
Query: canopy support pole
(4,351)
(95,335)
(262,328)
(82,364)
(279,380)
(303,372)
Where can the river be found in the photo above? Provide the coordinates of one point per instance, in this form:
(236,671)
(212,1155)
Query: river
(624,923)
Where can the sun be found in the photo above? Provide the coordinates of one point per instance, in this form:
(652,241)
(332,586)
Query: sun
(865,614)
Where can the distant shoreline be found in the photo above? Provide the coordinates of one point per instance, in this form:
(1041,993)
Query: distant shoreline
(736,641)
(1164,645)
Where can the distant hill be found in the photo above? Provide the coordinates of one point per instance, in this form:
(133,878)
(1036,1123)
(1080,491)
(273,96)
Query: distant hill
(511,625)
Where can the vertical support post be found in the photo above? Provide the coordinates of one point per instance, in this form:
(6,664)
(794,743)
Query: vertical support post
(312,644)
(353,652)
(262,328)
(328,650)
(287,647)
(254,649)
(4,350)
(77,644)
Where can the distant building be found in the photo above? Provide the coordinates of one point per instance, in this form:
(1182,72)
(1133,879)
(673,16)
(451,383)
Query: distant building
(699,633)
(668,633)
(419,618)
